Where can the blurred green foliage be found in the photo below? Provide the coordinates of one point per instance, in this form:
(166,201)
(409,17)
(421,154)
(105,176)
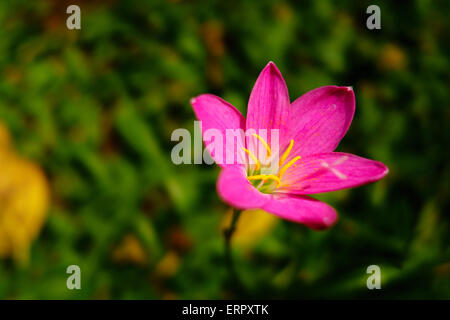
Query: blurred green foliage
(96,108)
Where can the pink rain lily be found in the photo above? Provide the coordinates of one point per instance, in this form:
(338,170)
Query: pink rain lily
(309,129)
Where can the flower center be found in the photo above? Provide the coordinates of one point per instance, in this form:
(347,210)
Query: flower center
(268,181)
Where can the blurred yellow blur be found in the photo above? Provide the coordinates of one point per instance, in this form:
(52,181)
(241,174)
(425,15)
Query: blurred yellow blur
(392,57)
(24,200)
(252,226)
(168,265)
(130,250)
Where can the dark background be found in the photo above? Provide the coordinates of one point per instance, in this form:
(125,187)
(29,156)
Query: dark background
(94,109)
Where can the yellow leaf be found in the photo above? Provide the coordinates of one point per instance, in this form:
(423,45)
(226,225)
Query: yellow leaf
(24,200)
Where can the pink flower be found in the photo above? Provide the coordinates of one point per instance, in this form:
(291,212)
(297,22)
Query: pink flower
(309,130)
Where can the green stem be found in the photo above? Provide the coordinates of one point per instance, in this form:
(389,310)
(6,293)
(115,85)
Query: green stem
(228,233)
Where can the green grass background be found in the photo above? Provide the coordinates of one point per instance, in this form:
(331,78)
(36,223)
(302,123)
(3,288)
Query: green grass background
(96,108)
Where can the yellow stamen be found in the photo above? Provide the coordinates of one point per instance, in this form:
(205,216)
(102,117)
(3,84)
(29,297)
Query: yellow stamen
(290,163)
(251,155)
(263,142)
(286,153)
(265,177)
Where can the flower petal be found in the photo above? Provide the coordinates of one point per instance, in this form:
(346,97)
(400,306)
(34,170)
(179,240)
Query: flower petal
(320,118)
(216,113)
(234,188)
(268,106)
(331,171)
(306,210)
